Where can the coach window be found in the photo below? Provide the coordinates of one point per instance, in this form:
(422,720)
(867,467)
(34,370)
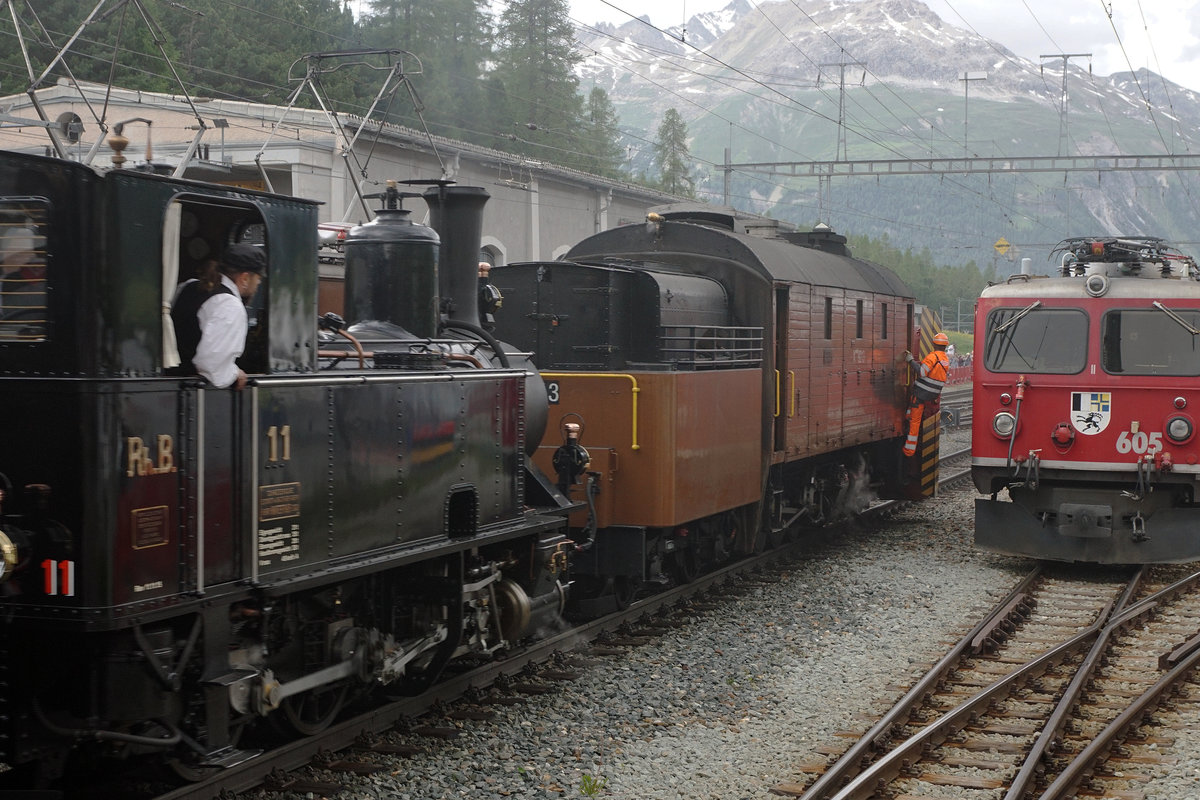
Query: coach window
(1049,341)
(828,317)
(24,311)
(883,327)
(1160,341)
(858,319)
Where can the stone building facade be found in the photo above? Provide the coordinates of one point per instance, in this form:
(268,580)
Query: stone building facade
(536,211)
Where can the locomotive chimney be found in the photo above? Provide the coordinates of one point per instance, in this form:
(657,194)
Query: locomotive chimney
(456,213)
(392,270)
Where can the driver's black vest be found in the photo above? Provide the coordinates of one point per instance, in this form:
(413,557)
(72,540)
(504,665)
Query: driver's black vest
(187,325)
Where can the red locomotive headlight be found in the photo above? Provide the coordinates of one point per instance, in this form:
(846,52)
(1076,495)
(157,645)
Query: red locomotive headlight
(1181,403)
(1179,429)
(1005,399)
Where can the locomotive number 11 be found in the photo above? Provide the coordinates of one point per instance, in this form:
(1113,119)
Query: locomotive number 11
(279,439)
(59,577)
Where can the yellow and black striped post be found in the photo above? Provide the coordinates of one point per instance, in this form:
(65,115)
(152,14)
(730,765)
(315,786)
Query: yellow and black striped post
(927,446)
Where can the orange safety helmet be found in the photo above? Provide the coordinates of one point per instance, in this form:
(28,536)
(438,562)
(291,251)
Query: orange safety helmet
(940,338)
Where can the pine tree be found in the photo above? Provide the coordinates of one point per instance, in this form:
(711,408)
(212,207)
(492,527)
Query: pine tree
(601,139)
(451,40)
(535,58)
(120,45)
(249,52)
(671,154)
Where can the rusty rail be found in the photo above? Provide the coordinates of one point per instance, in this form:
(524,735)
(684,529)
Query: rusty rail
(875,739)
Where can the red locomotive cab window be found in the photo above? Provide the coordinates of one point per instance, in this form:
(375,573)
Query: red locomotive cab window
(24,312)
(1036,340)
(1160,341)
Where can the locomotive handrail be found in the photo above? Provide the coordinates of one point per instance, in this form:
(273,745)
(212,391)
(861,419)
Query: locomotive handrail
(779,393)
(711,346)
(325,378)
(634,391)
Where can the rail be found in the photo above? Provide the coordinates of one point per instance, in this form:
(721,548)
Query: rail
(850,764)
(1028,774)
(1078,769)
(874,761)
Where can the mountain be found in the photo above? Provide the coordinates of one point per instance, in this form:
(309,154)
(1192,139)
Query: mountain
(767,82)
(700,31)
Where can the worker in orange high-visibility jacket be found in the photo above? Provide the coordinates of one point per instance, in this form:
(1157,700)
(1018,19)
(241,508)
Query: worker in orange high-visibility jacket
(932,372)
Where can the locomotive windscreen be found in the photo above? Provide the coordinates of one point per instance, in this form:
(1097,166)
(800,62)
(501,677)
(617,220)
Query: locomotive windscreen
(1036,340)
(1144,342)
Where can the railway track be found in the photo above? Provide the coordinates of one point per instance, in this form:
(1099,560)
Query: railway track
(1047,696)
(954,467)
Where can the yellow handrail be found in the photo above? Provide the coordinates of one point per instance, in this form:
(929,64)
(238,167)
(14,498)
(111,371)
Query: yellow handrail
(635,390)
(777,392)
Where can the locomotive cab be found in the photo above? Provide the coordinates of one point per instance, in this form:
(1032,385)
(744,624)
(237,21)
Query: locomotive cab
(109,320)
(107,325)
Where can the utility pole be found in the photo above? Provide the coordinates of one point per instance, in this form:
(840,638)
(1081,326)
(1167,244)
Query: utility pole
(728,171)
(727,174)
(966,78)
(841,65)
(1062,114)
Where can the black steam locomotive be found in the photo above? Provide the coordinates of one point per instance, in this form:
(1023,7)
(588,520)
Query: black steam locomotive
(180,563)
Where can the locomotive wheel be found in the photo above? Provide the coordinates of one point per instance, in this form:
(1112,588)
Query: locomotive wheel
(624,590)
(773,538)
(312,712)
(685,564)
(191,773)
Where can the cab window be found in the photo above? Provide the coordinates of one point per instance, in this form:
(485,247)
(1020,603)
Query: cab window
(24,314)
(1161,341)
(1048,341)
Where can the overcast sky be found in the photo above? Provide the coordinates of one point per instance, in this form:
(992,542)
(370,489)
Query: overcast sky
(1158,34)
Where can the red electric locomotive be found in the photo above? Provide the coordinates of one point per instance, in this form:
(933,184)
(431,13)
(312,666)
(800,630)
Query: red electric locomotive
(1086,386)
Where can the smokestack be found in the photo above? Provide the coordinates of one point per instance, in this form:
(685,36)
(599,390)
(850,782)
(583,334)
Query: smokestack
(456,213)
(1026,266)
(392,270)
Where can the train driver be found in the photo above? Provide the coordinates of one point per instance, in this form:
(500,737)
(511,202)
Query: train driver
(932,372)
(210,319)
